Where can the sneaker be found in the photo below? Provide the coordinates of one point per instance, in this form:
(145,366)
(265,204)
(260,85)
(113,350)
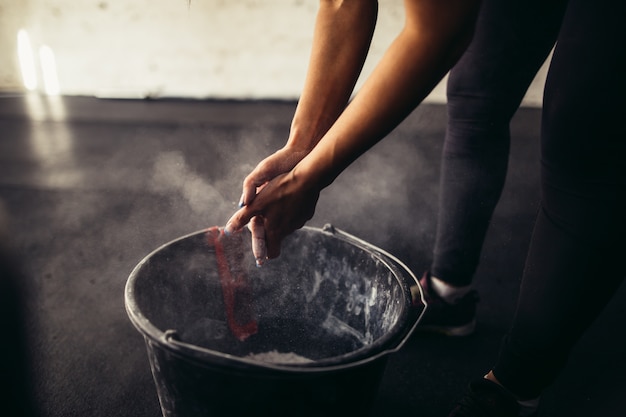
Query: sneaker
(485,398)
(450,319)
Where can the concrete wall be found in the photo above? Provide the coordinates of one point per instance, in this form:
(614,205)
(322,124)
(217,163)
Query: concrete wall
(155,48)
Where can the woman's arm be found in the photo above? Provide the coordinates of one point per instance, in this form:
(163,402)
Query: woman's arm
(341,39)
(435,34)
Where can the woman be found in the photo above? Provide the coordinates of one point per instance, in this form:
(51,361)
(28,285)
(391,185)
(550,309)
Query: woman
(580,224)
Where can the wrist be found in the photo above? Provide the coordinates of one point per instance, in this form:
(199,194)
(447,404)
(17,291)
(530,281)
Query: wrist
(314,172)
(304,136)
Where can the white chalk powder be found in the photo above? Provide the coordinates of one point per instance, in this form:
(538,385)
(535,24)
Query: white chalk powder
(274,356)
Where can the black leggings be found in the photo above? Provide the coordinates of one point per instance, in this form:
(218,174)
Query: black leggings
(574,261)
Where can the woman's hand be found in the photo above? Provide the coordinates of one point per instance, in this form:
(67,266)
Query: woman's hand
(280,162)
(282,205)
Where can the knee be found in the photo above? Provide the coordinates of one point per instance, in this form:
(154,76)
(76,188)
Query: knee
(475,126)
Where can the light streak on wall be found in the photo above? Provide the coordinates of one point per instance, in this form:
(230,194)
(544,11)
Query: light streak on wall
(49,70)
(27,60)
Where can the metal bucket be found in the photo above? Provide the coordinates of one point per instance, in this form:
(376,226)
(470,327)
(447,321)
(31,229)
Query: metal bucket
(326,315)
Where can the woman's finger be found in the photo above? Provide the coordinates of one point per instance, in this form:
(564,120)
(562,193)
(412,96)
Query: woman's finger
(259,247)
(273,243)
(238,220)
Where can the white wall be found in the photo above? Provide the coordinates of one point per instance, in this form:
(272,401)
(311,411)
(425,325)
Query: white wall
(208,49)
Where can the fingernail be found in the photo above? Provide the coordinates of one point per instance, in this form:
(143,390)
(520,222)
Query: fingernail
(259,262)
(241,201)
(228,229)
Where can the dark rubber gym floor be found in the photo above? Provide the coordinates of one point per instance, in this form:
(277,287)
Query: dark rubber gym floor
(91,186)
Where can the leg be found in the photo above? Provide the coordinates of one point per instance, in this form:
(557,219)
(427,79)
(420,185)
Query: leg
(574,263)
(485,88)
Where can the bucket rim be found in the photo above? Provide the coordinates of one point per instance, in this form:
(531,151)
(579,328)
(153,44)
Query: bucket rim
(411,314)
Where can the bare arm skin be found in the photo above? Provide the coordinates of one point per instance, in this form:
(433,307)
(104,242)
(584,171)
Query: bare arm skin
(341,39)
(435,34)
